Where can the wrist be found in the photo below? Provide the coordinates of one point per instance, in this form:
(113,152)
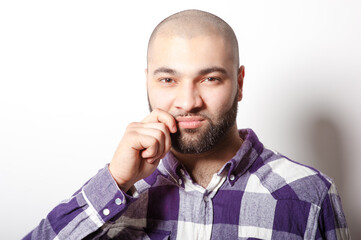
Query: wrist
(122,184)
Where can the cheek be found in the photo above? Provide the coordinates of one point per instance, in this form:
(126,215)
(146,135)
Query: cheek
(160,99)
(219,101)
(217,105)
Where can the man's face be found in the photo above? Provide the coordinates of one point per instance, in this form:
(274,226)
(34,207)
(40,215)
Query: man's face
(195,80)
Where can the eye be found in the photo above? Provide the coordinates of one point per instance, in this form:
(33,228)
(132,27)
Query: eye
(166,80)
(211,79)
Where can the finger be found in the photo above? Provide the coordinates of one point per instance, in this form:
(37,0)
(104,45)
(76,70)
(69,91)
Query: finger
(165,130)
(161,116)
(147,145)
(134,129)
(153,160)
(160,138)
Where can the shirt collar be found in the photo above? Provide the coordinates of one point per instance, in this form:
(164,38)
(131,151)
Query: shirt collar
(247,154)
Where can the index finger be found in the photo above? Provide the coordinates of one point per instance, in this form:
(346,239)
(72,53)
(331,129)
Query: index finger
(158,115)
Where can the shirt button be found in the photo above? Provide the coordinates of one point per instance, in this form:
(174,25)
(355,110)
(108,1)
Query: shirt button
(180,181)
(206,198)
(118,201)
(106,212)
(231,177)
(182,171)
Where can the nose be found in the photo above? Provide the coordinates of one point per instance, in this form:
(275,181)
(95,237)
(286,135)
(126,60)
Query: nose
(188,98)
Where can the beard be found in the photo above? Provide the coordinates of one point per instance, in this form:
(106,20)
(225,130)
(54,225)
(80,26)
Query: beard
(204,138)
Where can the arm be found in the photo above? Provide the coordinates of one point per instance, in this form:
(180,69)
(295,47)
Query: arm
(87,210)
(331,221)
(103,197)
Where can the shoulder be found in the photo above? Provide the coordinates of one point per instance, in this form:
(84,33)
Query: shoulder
(287,179)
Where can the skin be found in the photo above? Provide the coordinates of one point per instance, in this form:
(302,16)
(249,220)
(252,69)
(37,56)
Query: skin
(185,75)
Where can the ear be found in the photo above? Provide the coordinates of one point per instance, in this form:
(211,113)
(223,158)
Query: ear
(146,76)
(240,78)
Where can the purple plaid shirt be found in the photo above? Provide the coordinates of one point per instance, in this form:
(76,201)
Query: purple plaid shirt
(258,194)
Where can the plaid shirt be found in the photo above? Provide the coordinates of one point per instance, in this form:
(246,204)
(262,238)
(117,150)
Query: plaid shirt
(258,194)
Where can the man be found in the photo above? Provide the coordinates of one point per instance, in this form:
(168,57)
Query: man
(186,171)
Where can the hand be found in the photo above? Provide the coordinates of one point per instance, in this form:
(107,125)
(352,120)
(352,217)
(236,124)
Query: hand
(141,148)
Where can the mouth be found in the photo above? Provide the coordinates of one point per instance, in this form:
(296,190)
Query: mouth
(190,122)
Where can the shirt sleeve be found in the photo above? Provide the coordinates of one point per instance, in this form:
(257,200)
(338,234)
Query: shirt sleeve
(98,201)
(332,222)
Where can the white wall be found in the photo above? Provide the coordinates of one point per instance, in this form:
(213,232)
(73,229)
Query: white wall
(71,79)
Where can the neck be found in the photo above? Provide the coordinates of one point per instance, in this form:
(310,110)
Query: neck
(202,166)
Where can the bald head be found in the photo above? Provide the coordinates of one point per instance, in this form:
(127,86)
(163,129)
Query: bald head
(193,23)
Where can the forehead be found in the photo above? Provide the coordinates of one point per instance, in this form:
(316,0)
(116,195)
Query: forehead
(190,53)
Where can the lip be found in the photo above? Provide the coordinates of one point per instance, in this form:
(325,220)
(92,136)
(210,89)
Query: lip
(190,122)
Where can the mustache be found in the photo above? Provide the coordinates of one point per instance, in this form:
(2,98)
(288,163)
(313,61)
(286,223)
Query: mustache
(202,115)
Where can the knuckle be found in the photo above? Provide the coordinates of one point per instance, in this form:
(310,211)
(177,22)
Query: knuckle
(162,127)
(151,151)
(160,135)
(133,125)
(169,142)
(154,142)
(154,151)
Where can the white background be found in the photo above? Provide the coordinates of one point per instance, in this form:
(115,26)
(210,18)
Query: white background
(72,78)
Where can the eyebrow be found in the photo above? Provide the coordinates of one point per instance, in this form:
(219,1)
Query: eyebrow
(165,70)
(212,69)
(201,72)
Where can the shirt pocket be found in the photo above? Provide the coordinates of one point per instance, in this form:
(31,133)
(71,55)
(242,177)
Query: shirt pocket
(158,234)
(145,234)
